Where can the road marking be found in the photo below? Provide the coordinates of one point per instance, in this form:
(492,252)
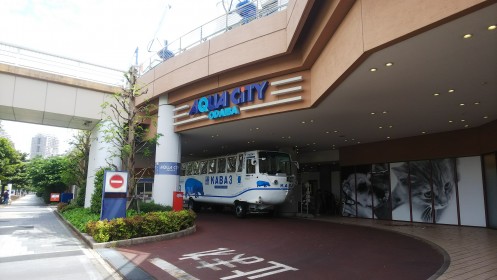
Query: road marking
(172,269)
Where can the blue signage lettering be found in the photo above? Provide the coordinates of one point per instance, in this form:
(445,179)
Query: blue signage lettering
(218,105)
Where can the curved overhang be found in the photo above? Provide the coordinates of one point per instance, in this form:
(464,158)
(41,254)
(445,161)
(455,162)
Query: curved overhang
(317,45)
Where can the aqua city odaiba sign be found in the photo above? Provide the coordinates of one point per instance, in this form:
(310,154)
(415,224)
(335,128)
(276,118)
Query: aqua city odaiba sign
(225,104)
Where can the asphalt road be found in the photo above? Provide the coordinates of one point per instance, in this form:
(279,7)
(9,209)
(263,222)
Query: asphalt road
(225,247)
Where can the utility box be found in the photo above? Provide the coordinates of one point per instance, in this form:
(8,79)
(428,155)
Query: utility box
(177,201)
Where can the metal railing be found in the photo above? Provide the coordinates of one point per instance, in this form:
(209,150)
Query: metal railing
(55,64)
(242,15)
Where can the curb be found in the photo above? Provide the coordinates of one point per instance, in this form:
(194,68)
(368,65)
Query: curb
(127,242)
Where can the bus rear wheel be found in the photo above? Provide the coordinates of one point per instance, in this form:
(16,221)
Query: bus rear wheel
(240,210)
(195,206)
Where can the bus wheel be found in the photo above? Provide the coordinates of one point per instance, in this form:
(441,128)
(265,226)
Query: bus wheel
(240,210)
(192,205)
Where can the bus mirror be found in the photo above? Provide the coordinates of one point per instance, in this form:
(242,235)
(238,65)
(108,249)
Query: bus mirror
(253,161)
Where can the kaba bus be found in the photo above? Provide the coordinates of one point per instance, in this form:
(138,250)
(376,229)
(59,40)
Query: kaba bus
(251,182)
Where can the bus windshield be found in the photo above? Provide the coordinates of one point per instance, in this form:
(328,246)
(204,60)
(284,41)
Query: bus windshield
(272,163)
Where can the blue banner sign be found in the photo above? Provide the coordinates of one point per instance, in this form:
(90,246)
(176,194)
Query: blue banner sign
(167,168)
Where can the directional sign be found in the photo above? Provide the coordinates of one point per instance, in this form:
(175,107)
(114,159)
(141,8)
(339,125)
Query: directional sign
(115,181)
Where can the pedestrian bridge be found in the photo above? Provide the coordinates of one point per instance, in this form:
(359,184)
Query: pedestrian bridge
(41,88)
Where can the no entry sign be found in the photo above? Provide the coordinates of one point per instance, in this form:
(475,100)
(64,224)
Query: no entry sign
(116,181)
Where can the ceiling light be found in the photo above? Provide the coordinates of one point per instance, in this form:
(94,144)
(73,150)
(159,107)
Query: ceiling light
(467,36)
(380,127)
(384,112)
(423,132)
(373,69)
(492,27)
(451,121)
(485,117)
(327,132)
(477,103)
(466,125)
(461,104)
(303,122)
(388,64)
(388,137)
(372,113)
(358,142)
(451,90)
(463,120)
(335,131)
(390,126)
(436,94)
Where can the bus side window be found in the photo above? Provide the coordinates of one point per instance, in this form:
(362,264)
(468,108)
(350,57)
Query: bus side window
(231,164)
(212,166)
(182,171)
(195,168)
(240,163)
(188,168)
(221,165)
(203,167)
(249,166)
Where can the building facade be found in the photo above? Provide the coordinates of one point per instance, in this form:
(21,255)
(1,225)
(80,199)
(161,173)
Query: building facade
(44,146)
(389,106)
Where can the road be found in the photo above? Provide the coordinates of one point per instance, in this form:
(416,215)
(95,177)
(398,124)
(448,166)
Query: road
(34,244)
(278,248)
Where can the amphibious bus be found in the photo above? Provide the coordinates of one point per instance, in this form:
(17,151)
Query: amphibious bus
(251,182)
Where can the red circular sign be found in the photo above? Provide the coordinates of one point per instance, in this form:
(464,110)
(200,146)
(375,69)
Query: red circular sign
(116,181)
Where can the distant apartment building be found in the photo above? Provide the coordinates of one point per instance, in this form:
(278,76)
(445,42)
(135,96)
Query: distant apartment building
(44,146)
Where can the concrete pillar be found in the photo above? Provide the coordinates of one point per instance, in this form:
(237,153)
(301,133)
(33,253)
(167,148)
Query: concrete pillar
(167,156)
(100,156)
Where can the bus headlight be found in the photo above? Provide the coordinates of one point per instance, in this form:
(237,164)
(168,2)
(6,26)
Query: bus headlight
(275,182)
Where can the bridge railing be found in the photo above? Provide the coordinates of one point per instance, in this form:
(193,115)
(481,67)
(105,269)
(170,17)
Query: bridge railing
(55,64)
(161,51)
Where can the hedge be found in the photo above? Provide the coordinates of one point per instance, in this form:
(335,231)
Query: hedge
(153,223)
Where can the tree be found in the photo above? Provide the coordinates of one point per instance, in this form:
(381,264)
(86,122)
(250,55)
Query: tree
(126,128)
(77,169)
(11,165)
(46,175)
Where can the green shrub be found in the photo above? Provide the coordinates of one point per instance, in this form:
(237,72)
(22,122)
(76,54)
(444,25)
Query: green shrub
(79,217)
(153,223)
(96,197)
(147,207)
(61,206)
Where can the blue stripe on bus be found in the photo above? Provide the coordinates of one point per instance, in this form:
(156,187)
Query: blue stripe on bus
(259,189)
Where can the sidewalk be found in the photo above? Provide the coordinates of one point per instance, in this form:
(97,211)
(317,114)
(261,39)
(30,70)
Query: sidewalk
(35,244)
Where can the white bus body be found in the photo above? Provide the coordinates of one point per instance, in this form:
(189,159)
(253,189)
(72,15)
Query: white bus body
(252,181)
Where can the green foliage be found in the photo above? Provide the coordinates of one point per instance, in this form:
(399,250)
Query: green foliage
(77,170)
(153,223)
(12,167)
(96,197)
(46,175)
(79,217)
(147,207)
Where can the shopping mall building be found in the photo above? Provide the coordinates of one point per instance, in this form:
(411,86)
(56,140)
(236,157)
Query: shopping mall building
(390,107)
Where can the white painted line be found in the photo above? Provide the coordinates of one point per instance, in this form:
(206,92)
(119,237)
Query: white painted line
(287,81)
(191,120)
(286,90)
(273,103)
(173,270)
(181,108)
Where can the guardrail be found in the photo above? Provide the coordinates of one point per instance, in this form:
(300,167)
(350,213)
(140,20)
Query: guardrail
(252,10)
(55,64)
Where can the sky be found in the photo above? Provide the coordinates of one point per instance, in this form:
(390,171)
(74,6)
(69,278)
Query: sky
(103,32)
